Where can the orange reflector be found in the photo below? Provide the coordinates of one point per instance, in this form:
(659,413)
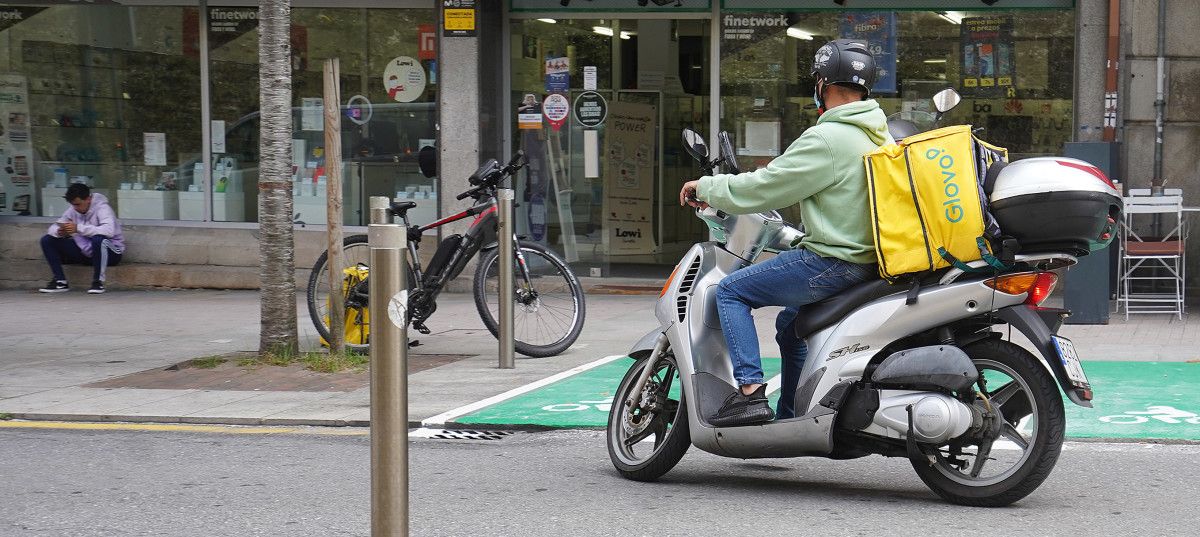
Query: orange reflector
(668,284)
(1013,284)
(1039,285)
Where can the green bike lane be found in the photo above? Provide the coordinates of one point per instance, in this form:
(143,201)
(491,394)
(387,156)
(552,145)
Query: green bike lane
(1134,400)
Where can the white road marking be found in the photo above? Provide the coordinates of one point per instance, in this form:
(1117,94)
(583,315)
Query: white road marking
(441,419)
(774,384)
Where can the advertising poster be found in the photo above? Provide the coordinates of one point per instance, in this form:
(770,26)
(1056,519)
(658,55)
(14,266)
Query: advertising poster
(312,114)
(16,151)
(987,55)
(404,79)
(629,178)
(556,108)
(155,144)
(529,114)
(878,29)
(558,75)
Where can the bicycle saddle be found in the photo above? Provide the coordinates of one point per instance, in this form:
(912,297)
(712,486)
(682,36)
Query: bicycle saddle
(401,207)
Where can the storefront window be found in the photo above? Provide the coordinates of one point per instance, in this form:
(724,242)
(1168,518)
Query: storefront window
(1013,68)
(602,193)
(389,92)
(103,95)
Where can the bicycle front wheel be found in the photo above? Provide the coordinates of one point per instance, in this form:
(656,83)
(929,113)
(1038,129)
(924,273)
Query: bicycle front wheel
(548,311)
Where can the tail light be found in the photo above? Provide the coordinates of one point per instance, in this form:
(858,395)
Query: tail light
(1039,285)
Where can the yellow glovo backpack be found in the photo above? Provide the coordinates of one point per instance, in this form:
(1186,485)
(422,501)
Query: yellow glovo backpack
(356,321)
(928,207)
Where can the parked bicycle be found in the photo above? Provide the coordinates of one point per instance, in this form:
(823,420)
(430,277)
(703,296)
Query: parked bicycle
(549,308)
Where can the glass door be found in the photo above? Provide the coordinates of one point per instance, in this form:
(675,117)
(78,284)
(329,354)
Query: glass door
(597,190)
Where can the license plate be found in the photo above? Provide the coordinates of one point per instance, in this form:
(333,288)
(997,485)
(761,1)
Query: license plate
(1070,361)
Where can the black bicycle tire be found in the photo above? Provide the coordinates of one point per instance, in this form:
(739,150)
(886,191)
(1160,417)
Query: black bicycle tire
(534,351)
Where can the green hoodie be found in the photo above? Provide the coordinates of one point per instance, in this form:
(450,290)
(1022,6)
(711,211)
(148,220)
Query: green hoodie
(823,172)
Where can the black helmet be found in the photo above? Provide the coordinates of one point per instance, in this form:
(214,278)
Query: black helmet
(845,62)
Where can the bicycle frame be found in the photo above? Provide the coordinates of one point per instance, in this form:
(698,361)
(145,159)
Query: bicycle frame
(479,235)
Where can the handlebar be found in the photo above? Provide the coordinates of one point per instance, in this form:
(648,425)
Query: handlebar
(518,161)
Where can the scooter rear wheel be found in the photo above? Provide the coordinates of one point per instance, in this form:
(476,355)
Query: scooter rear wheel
(1030,438)
(647,440)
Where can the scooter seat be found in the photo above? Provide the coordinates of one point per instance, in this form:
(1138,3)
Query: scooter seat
(818,315)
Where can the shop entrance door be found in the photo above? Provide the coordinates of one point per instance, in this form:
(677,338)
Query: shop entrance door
(613,215)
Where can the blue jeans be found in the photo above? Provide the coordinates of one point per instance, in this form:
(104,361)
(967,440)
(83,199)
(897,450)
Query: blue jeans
(792,279)
(59,250)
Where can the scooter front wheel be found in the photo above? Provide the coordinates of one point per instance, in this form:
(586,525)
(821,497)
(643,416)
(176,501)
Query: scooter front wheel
(647,439)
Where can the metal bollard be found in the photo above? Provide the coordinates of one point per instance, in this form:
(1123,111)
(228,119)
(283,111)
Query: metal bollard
(389,368)
(505,234)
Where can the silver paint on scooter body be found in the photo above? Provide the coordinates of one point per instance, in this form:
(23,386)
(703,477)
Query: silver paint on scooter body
(688,317)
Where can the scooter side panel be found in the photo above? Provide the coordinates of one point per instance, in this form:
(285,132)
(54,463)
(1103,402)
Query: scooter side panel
(846,348)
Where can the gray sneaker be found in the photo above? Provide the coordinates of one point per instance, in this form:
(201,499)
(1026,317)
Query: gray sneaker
(55,286)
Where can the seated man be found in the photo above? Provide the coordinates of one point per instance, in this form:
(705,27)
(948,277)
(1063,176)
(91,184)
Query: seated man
(88,234)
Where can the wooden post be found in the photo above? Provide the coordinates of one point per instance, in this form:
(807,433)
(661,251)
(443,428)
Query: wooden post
(333,191)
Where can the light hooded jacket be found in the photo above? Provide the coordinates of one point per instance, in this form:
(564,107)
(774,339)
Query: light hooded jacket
(823,171)
(99,220)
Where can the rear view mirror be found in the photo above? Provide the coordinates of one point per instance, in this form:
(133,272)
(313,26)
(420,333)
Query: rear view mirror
(695,146)
(427,161)
(945,100)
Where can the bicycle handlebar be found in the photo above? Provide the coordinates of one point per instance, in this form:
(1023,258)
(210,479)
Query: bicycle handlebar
(518,161)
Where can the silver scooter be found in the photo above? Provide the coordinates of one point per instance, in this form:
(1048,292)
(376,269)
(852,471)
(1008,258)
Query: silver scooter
(916,371)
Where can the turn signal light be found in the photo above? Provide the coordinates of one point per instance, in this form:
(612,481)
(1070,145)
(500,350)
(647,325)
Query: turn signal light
(1039,285)
(668,284)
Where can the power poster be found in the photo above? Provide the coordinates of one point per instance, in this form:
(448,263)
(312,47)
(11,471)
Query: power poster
(16,151)
(629,178)
(878,29)
(988,68)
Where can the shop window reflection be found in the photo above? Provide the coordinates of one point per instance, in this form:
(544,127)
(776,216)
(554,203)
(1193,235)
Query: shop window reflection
(116,107)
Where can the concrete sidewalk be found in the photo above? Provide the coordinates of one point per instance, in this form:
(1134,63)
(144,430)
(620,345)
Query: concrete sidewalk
(60,355)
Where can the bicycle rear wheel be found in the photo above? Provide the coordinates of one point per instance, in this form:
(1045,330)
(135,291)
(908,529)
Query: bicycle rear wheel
(357,323)
(548,314)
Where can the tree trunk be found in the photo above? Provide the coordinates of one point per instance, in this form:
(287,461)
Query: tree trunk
(277,273)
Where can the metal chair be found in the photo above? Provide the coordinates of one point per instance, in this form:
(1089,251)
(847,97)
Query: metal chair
(1147,192)
(1152,260)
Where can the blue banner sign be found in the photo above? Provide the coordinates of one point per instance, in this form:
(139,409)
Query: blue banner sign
(878,29)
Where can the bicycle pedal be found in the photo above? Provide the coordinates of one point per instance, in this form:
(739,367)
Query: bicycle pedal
(421,328)
(414,343)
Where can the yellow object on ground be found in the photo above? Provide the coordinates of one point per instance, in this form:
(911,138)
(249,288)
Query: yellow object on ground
(357,320)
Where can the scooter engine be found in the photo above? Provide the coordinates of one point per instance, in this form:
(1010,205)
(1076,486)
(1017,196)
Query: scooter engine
(936,418)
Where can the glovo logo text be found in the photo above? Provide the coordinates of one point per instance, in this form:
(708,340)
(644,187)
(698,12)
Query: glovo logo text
(945,162)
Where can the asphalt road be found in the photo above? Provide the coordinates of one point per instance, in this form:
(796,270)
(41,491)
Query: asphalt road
(89,483)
